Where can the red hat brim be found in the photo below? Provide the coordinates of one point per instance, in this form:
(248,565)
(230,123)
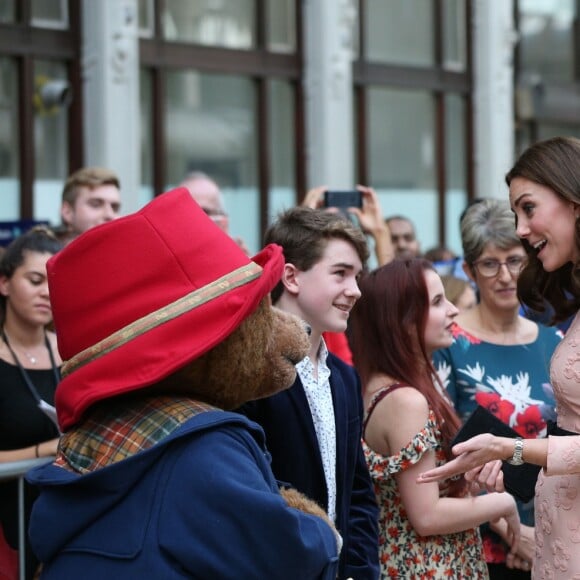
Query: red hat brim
(122,272)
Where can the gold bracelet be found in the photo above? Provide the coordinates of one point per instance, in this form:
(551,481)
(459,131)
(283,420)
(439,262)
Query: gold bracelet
(36,451)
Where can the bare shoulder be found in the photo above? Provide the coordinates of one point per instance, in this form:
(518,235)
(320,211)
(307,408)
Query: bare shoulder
(402,399)
(396,419)
(409,399)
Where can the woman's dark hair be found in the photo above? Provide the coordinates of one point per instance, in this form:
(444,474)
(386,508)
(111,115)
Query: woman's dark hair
(388,336)
(39,240)
(553,163)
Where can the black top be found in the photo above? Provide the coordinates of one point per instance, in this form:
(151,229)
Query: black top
(22,423)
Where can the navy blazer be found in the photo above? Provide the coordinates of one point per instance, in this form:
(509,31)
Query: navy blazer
(291,439)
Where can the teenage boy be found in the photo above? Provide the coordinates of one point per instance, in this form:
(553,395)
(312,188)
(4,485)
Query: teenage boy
(313,429)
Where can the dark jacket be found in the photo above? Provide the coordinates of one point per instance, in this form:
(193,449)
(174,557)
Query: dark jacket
(291,439)
(202,503)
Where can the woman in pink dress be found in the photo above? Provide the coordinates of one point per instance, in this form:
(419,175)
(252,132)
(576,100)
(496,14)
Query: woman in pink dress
(545,197)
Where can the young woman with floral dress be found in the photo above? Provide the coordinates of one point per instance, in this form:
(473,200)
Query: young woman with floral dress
(401,318)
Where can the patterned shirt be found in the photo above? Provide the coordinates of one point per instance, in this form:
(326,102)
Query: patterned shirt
(319,399)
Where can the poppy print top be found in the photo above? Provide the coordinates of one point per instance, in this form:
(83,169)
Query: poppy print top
(511,381)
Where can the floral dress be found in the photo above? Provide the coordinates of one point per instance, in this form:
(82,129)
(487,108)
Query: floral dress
(511,381)
(402,552)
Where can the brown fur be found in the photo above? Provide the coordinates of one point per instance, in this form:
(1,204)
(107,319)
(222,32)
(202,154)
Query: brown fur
(255,361)
(296,500)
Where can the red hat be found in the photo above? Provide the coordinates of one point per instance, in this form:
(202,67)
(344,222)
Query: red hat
(137,298)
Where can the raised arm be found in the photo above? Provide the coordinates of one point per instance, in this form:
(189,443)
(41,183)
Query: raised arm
(397,424)
(372,222)
(474,453)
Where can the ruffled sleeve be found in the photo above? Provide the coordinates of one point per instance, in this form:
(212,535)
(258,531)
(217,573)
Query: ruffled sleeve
(428,439)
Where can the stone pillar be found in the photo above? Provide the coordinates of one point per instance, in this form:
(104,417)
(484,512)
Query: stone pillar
(329,30)
(111,92)
(494,40)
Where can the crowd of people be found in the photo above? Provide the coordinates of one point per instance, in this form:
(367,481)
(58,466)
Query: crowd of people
(399,357)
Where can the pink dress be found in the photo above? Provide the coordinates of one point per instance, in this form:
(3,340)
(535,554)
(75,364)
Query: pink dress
(557,501)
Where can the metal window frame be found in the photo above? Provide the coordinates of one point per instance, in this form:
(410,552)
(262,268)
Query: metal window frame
(259,64)
(438,81)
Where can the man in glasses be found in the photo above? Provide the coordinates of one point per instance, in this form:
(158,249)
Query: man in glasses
(206,192)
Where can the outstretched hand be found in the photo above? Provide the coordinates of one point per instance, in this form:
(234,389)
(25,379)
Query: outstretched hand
(472,457)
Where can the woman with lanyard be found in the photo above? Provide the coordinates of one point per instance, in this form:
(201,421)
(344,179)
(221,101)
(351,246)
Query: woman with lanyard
(29,374)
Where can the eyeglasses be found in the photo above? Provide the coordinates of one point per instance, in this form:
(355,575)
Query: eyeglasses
(490,268)
(215,214)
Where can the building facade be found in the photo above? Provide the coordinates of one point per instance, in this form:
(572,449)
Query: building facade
(427,101)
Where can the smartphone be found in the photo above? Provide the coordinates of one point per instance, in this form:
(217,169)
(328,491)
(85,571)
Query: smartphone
(351,198)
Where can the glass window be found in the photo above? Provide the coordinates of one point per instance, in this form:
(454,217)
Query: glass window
(282,193)
(9,141)
(211,127)
(225,23)
(456,162)
(146,127)
(49,14)
(401,128)
(146,15)
(547,39)
(454,35)
(50,137)
(7,11)
(281,25)
(547,130)
(400,32)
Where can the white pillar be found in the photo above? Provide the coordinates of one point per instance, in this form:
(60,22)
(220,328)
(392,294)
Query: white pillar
(329,27)
(111,92)
(494,37)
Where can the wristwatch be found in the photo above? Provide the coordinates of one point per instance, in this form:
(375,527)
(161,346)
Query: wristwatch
(518,451)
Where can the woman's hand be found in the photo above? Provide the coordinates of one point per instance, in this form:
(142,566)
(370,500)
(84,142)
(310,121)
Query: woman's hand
(472,454)
(526,547)
(488,477)
(512,531)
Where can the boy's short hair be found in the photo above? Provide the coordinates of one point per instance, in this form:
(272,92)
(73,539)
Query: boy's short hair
(304,234)
(90,177)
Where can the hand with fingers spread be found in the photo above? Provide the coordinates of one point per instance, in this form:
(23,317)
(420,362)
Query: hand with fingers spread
(473,454)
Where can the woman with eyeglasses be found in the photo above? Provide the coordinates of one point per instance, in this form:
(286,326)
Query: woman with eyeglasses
(499,359)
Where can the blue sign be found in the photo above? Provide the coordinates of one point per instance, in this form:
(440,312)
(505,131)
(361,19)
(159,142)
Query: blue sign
(11,230)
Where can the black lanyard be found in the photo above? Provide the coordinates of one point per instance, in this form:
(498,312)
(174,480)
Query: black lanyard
(25,375)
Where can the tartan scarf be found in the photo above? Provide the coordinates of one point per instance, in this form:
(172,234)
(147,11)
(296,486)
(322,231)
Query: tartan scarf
(117,429)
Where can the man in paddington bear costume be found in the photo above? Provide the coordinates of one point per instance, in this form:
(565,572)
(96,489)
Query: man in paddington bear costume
(165,324)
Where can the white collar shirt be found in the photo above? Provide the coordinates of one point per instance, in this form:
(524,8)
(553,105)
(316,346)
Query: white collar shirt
(319,399)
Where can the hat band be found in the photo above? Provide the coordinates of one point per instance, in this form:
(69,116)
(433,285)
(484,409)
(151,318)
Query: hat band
(219,287)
